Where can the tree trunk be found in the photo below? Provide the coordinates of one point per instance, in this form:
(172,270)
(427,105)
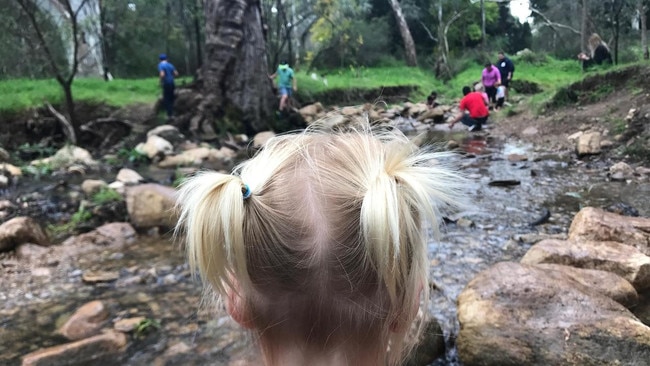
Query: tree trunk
(644,25)
(409,45)
(238,94)
(584,25)
(483,33)
(69,105)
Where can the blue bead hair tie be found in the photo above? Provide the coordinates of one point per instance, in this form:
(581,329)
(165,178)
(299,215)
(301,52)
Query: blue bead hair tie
(246,191)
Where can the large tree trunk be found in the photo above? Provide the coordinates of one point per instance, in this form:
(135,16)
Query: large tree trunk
(584,25)
(238,94)
(644,25)
(409,45)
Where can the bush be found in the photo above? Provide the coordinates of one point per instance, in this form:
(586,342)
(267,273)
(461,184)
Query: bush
(532,58)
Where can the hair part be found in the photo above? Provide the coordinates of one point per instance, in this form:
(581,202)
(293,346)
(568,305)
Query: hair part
(330,250)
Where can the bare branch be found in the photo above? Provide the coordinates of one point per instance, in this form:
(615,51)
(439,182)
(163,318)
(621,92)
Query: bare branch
(68,130)
(428,31)
(554,25)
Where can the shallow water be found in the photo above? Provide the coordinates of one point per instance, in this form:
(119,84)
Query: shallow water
(155,282)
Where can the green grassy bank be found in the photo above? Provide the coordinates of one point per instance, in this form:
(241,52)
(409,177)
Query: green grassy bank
(19,94)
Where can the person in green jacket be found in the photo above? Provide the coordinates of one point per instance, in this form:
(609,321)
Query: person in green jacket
(286,82)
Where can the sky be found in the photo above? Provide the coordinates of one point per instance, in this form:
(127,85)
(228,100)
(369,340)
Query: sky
(520,9)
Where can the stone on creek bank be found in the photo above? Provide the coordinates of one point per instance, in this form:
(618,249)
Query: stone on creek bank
(155,147)
(128,176)
(589,143)
(431,346)
(517,314)
(101,349)
(66,157)
(623,260)
(599,225)
(21,230)
(151,205)
(87,321)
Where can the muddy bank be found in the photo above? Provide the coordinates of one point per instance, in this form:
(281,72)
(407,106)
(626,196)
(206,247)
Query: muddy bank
(352,96)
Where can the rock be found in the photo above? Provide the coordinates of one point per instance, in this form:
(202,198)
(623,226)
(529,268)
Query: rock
(451,145)
(436,114)
(466,223)
(517,157)
(311,110)
(631,114)
(31,252)
(127,325)
(174,161)
(128,177)
(414,109)
(4,156)
(4,181)
(575,136)
(100,349)
(430,347)
(241,139)
(155,147)
(621,169)
(85,322)
(530,131)
(115,235)
(177,349)
(514,314)
(197,155)
(119,187)
(21,230)
(332,121)
(606,144)
(623,260)
(167,133)
(595,224)
(92,186)
(13,170)
(642,170)
(262,137)
(589,144)
(66,156)
(100,276)
(151,205)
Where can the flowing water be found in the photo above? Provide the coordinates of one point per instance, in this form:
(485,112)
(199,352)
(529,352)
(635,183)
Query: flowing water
(155,282)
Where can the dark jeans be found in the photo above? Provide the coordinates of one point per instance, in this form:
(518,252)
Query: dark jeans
(491,91)
(168,98)
(469,121)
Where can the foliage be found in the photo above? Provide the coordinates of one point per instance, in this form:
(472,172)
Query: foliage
(106,195)
(145,327)
(82,215)
(132,156)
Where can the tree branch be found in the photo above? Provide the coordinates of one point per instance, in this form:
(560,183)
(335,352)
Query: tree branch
(428,31)
(554,25)
(68,130)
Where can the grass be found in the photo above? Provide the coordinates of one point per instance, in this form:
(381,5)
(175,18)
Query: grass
(19,94)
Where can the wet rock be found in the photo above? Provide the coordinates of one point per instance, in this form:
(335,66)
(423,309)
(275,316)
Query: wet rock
(430,347)
(642,170)
(575,136)
(151,205)
(262,137)
(100,276)
(14,171)
(85,322)
(514,314)
(177,349)
(4,156)
(168,133)
(451,145)
(623,209)
(517,158)
(596,224)
(92,186)
(436,114)
(21,230)
(466,223)
(623,260)
(100,349)
(414,109)
(67,156)
(114,235)
(504,183)
(155,147)
(536,237)
(128,177)
(621,171)
(589,144)
(128,325)
(606,144)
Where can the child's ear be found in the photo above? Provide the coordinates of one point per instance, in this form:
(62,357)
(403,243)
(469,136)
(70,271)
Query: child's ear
(237,309)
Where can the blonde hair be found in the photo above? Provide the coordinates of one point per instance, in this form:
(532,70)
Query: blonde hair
(594,42)
(330,249)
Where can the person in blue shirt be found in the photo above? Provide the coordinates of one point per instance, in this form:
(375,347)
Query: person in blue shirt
(286,82)
(167,72)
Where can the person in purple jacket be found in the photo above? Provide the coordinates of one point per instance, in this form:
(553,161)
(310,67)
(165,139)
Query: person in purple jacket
(491,78)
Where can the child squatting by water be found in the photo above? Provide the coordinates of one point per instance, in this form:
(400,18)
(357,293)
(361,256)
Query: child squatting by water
(318,244)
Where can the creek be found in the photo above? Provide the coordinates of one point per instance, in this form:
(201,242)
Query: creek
(155,282)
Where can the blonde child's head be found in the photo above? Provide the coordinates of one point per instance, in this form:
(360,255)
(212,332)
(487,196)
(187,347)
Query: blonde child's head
(318,244)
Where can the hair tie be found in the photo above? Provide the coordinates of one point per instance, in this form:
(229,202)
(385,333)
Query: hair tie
(246,191)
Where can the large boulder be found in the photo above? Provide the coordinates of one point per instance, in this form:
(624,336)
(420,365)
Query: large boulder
(599,225)
(623,260)
(155,147)
(87,321)
(516,314)
(21,230)
(103,349)
(151,205)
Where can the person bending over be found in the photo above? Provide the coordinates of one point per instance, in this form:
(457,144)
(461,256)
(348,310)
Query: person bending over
(599,53)
(318,244)
(474,104)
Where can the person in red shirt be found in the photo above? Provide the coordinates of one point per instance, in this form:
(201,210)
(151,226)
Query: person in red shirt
(473,103)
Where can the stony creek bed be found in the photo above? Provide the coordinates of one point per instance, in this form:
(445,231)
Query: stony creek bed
(154,281)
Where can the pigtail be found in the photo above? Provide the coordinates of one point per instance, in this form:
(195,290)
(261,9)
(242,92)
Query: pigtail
(212,218)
